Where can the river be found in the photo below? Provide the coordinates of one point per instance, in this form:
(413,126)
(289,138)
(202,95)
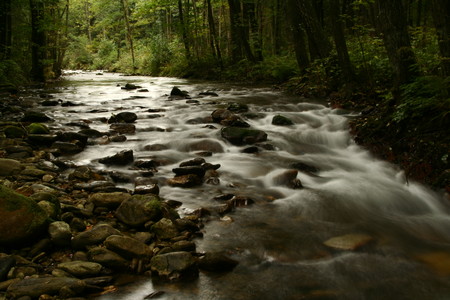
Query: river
(279,241)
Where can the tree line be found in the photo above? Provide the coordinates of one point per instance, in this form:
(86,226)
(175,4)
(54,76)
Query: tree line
(354,41)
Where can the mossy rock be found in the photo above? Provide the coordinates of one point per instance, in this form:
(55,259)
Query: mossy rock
(140,209)
(13,132)
(281,121)
(20,218)
(37,128)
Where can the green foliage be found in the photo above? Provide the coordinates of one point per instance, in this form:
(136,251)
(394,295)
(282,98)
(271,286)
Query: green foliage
(79,55)
(426,96)
(12,73)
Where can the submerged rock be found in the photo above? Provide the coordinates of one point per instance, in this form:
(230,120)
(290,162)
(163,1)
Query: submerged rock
(281,121)
(349,241)
(216,262)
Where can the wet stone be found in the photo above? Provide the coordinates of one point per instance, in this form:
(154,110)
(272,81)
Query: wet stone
(174,265)
(95,236)
(127,247)
(35,287)
(185,181)
(122,158)
(349,242)
(108,258)
(81,268)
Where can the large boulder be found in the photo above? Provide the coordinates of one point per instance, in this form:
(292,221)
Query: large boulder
(243,136)
(174,265)
(10,167)
(139,209)
(20,218)
(35,287)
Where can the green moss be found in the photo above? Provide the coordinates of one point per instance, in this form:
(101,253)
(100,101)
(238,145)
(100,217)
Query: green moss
(37,128)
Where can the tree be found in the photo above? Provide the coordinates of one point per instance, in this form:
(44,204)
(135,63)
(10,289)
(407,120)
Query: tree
(339,41)
(391,22)
(298,34)
(240,46)
(5,29)
(441,18)
(38,41)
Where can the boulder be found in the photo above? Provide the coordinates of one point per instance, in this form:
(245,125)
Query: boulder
(109,200)
(123,117)
(165,229)
(242,136)
(198,161)
(108,258)
(10,167)
(281,121)
(67,147)
(197,170)
(174,265)
(216,262)
(60,233)
(127,247)
(176,92)
(73,137)
(35,287)
(131,86)
(92,133)
(95,236)
(185,181)
(146,189)
(122,158)
(13,132)
(82,173)
(6,264)
(81,269)
(140,209)
(35,116)
(42,139)
(20,218)
(37,128)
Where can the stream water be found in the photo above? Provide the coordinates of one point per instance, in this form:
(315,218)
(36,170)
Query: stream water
(279,240)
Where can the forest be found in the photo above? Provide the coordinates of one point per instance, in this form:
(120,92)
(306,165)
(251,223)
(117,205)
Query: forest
(388,59)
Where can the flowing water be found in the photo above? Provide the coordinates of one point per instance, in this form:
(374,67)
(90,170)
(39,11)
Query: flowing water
(279,240)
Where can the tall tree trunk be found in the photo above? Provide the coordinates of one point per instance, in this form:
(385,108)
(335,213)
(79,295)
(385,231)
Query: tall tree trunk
(319,45)
(215,47)
(391,22)
(251,27)
(183,30)
(129,31)
(298,34)
(5,29)
(339,40)
(240,46)
(441,18)
(87,15)
(38,41)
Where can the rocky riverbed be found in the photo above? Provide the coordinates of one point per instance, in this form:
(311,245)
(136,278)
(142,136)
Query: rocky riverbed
(67,231)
